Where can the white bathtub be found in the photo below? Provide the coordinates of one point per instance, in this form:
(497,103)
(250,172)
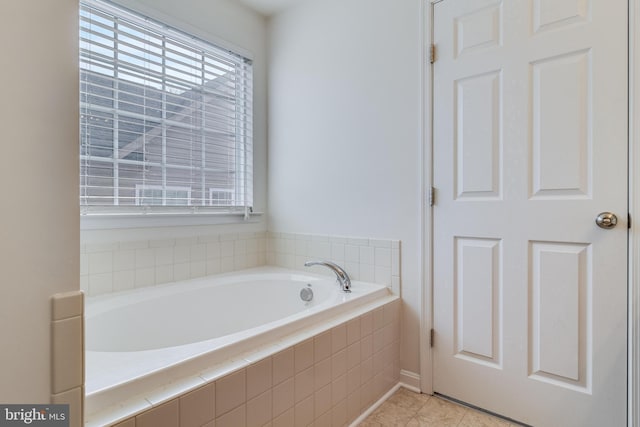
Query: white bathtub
(144,339)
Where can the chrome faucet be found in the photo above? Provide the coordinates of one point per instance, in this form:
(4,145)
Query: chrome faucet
(343,278)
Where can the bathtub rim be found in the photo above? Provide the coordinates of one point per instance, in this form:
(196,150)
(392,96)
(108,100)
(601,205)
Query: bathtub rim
(97,306)
(109,407)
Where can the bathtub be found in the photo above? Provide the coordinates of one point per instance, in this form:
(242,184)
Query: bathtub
(147,341)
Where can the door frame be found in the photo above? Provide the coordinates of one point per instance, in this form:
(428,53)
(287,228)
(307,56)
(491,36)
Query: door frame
(633,295)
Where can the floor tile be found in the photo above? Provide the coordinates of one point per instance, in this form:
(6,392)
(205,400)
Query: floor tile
(408,409)
(474,418)
(408,399)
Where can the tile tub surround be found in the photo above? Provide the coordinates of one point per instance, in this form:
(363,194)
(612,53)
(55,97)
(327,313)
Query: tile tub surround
(117,266)
(326,374)
(67,356)
(369,260)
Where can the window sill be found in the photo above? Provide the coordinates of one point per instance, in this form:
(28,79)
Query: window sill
(101,221)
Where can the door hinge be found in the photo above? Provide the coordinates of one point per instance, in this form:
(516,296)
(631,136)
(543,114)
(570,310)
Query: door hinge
(432,53)
(432,196)
(432,334)
(629,221)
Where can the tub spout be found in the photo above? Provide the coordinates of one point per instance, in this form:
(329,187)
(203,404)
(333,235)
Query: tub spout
(343,278)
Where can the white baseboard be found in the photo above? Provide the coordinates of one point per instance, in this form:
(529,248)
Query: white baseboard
(410,380)
(373,407)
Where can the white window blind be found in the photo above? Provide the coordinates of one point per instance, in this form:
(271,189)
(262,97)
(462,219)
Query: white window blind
(160,111)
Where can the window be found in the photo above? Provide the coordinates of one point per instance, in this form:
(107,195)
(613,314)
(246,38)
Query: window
(166,119)
(156,195)
(220,197)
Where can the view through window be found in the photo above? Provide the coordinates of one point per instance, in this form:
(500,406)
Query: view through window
(166,119)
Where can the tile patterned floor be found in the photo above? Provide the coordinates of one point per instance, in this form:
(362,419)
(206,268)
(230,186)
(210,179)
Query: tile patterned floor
(408,409)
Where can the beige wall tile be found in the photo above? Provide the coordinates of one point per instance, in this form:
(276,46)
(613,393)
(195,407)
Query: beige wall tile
(353,331)
(304,384)
(66,305)
(338,390)
(322,346)
(339,414)
(303,355)
(304,412)
(378,340)
(283,366)
(378,362)
(198,406)
(230,392)
(366,370)
(353,405)
(259,378)
(387,334)
(287,419)
(68,354)
(353,355)
(378,385)
(259,410)
(366,347)
(131,422)
(234,418)
(323,420)
(378,318)
(391,312)
(74,399)
(338,338)
(283,397)
(165,415)
(322,400)
(322,373)
(367,394)
(339,364)
(353,379)
(366,324)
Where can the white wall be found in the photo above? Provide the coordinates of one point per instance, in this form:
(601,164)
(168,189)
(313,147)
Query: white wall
(345,130)
(229,24)
(39,229)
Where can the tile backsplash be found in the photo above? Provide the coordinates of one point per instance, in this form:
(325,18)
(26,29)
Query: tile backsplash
(121,265)
(368,260)
(116,266)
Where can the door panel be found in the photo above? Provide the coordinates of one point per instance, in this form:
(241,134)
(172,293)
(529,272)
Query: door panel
(560,290)
(477,300)
(562,125)
(530,145)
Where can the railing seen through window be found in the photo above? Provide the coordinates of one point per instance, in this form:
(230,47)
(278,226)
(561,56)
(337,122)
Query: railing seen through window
(166,119)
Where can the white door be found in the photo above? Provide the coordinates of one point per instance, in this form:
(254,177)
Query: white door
(530,145)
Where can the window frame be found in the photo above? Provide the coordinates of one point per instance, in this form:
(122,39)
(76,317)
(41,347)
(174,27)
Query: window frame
(110,216)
